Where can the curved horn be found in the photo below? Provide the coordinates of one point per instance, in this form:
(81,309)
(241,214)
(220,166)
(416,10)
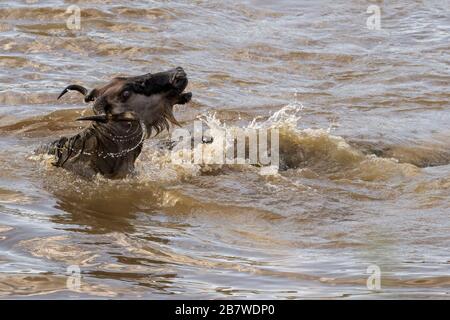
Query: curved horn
(74,87)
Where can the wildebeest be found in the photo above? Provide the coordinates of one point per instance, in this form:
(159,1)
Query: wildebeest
(126,111)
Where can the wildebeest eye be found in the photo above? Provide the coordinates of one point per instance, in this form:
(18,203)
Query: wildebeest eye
(125,95)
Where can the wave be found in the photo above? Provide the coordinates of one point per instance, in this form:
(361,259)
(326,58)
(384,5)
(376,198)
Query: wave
(316,151)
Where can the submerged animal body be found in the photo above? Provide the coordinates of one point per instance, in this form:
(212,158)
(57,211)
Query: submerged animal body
(126,111)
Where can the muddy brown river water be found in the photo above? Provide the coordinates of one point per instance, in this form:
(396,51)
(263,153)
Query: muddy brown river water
(364,128)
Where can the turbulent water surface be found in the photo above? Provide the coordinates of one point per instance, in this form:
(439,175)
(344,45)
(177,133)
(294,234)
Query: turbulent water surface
(364,141)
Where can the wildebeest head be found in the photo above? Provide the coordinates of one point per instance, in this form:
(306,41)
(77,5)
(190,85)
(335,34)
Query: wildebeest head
(151,97)
(126,109)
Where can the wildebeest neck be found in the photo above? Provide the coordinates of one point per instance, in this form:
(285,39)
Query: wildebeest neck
(109,148)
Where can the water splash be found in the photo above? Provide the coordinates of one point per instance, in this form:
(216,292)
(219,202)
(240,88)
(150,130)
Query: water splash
(315,150)
(287,117)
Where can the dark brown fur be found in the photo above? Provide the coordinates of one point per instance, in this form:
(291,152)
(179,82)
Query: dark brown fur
(127,110)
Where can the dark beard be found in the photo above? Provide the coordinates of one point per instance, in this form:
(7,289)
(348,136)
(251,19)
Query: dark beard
(163,122)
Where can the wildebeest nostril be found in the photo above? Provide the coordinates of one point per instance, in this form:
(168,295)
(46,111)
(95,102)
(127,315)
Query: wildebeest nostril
(179,78)
(178,74)
(181,75)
